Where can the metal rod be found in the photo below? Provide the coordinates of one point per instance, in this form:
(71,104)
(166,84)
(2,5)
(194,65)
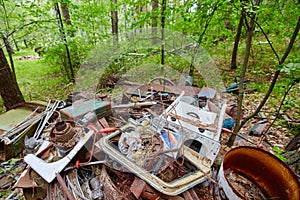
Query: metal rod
(46,110)
(77,181)
(64,187)
(47,117)
(75,190)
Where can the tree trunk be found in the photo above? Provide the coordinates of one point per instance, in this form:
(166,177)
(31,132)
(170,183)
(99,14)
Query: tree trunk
(140,10)
(70,75)
(114,19)
(236,42)
(66,13)
(154,21)
(242,77)
(9,89)
(163,19)
(67,18)
(10,52)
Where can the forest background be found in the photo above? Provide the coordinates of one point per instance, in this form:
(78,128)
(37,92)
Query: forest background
(45,42)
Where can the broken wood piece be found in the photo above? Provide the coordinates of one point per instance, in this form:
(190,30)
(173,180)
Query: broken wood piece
(193,194)
(187,195)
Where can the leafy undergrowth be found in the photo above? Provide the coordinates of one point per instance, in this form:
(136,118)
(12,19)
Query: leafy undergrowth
(260,71)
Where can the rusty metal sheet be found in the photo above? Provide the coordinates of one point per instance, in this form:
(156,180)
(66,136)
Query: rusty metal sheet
(103,122)
(189,90)
(137,187)
(25,181)
(149,193)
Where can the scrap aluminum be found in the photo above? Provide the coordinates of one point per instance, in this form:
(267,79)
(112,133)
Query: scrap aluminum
(148,147)
(49,111)
(205,122)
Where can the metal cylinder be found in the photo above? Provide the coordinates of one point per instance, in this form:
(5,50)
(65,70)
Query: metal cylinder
(272,176)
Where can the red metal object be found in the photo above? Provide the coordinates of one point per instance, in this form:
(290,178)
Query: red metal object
(108,130)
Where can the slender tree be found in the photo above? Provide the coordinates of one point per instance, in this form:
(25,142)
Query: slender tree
(64,39)
(250,29)
(154,20)
(114,19)
(66,13)
(276,74)
(163,20)
(236,41)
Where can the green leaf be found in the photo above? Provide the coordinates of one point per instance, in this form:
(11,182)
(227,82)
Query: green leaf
(277,150)
(278,153)
(279,67)
(291,68)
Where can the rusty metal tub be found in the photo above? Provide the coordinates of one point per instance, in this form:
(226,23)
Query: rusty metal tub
(272,176)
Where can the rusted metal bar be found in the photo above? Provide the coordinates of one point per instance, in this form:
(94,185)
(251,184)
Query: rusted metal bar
(187,195)
(64,187)
(190,195)
(193,194)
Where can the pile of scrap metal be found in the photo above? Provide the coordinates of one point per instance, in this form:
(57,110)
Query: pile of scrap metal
(157,142)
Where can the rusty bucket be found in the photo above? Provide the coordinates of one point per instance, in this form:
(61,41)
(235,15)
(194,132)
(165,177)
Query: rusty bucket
(272,176)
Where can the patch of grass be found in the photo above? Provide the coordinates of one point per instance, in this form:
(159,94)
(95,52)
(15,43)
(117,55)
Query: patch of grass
(37,80)
(24,52)
(40,81)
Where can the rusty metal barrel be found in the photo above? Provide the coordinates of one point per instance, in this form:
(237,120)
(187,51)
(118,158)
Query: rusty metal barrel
(272,176)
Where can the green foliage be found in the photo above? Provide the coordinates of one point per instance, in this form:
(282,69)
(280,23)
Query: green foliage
(56,56)
(37,80)
(292,68)
(278,153)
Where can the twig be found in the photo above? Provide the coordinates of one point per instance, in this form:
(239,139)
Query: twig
(281,104)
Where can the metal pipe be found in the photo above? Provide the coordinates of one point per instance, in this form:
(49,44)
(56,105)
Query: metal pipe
(64,187)
(47,117)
